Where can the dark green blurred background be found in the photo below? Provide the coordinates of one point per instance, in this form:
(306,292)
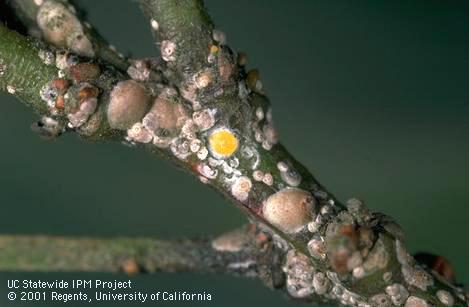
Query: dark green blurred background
(372,96)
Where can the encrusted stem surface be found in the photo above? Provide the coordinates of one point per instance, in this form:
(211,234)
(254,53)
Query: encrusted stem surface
(91,43)
(210,116)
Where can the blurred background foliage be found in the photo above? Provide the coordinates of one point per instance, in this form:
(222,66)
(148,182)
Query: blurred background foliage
(372,96)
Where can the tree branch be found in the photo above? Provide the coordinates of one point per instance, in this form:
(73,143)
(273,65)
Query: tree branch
(211,117)
(62,25)
(243,252)
(184,32)
(46,253)
(22,72)
(131,255)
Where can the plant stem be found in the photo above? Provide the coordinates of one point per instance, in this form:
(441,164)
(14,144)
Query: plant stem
(27,12)
(22,72)
(211,117)
(133,255)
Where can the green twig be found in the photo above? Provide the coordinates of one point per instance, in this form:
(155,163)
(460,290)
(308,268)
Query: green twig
(28,11)
(131,255)
(211,117)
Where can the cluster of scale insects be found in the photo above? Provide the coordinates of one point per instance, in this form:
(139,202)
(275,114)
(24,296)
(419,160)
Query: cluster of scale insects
(177,120)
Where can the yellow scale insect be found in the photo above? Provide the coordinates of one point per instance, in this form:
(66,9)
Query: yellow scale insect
(223,143)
